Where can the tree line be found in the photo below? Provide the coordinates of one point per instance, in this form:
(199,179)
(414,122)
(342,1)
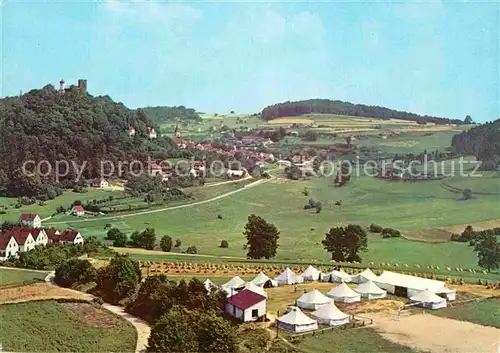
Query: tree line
(161,115)
(327,106)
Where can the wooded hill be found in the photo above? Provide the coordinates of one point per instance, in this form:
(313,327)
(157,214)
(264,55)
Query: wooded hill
(160,115)
(326,106)
(44,124)
(482,141)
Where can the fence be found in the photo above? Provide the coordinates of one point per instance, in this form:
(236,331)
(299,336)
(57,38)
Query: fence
(356,321)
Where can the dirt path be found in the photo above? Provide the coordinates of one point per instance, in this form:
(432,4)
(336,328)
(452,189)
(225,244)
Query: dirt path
(142,328)
(246,187)
(228,182)
(435,334)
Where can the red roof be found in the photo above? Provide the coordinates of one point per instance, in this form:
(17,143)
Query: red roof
(68,235)
(34,231)
(20,234)
(28,217)
(78,208)
(4,240)
(155,166)
(245,299)
(51,233)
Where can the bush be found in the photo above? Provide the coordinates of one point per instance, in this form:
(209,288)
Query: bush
(375,228)
(394,233)
(192,250)
(178,243)
(74,271)
(166,243)
(224,244)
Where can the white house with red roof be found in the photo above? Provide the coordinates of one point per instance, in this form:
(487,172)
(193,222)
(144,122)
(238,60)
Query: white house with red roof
(151,133)
(30,220)
(38,234)
(78,210)
(70,237)
(246,305)
(100,183)
(23,238)
(8,246)
(131,131)
(52,235)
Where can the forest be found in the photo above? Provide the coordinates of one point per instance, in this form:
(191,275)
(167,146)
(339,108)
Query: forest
(46,125)
(483,142)
(326,106)
(160,115)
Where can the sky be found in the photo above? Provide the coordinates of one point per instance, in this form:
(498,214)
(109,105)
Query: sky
(439,58)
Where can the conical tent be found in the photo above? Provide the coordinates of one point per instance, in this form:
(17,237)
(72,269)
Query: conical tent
(262,280)
(370,290)
(329,314)
(311,274)
(313,300)
(344,294)
(337,276)
(209,285)
(428,299)
(364,276)
(256,289)
(288,277)
(234,283)
(296,321)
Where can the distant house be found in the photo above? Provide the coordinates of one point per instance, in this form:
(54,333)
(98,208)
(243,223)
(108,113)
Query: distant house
(131,131)
(23,238)
(152,133)
(70,237)
(52,235)
(38,234)
(156,169)
(235,173)
(30,220)
(100,183)
(78,210)
(246,305)
(8,246)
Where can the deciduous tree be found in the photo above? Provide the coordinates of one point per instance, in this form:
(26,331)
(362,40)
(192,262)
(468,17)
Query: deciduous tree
(262,238)
(345,243)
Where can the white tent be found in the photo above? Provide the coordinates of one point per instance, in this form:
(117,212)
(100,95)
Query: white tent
(311,274)
(342,293)
(262,280)
(329,314)
(296,321)
(370,290)
(209,285)
(364,276)
(337,276)
(406,285)
(427,299)
(234,283)
(256,289)
(288,277)
(313,300)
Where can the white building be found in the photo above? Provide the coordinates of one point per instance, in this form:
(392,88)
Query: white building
(30,220)
(246,306)
(70,237)
(235,173)
(8,246)
(100,183)
(78,210)
(152,133)
(296,321)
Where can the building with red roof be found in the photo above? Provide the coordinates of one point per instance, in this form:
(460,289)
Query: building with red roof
(246,305)
(8,246)
(38,234)
(23,238)
(30,220)
(70,237)
(100,183)
(78,210)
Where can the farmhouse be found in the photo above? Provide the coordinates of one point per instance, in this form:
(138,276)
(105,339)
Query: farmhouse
(23,238)
(52,235)
(70,237)
(100,183)
(38,234)
(78,210)
(30,220)
(409,286)
(246,305)
(8,246)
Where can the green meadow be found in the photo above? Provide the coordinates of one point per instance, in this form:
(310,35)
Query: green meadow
(12,276)
(484,312)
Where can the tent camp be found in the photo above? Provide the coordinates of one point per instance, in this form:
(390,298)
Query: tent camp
(262,280)
(311,274)
(364,276)
(313,300)
(256,289)
(329,314)
(427,299)
(337,276)
(209,285)
(369,290)
(288,277)
(296,321)
(408,286)
(342,293)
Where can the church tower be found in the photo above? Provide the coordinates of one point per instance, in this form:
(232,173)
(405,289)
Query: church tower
(177,131)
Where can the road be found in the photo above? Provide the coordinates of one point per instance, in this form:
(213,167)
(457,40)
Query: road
(246,187)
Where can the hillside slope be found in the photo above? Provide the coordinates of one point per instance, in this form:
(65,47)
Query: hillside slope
(45,125)
(160,115)
(482,141)
(326,106)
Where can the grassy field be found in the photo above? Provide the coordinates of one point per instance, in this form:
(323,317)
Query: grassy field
(484,312)
(360,340)
(63,327)
(13,276)
(422,206)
